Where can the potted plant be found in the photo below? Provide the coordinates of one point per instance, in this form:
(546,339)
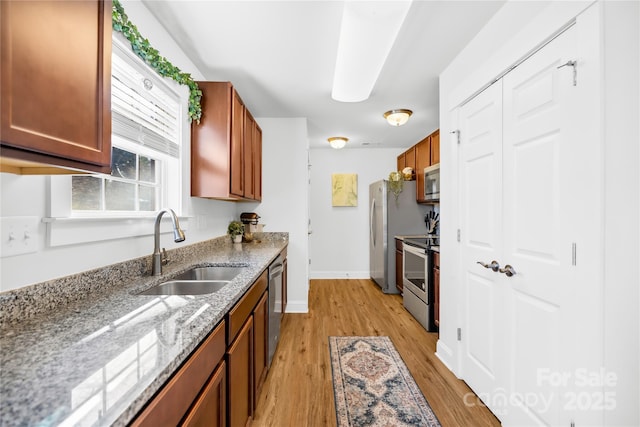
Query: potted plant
(235,230)
(396,182)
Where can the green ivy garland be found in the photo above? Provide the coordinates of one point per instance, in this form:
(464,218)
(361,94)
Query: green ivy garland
(142,48)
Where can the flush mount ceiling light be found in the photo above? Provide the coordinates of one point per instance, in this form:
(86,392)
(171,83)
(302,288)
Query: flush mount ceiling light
(397,117)
(367,34)
(338,142)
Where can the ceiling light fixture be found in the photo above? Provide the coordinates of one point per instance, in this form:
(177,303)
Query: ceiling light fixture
(397,117)
(367,34)
(338,142)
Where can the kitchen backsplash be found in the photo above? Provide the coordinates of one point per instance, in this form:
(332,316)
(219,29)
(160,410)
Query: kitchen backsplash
(34,300)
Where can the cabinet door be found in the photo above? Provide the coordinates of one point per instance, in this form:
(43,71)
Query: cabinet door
(400,162)
(423,157)
(240,378)
(56,83)
(410,158)
(257,162)
(209,409)
(260,345)
(237,146)
(435,148)
(399,256)
(247,164)
(176,398)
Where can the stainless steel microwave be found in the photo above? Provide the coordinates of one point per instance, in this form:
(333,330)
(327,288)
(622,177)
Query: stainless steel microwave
(432,182)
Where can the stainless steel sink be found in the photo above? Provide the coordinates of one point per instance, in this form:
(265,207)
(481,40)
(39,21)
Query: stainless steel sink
(210,273)
(187,287)
(197,281)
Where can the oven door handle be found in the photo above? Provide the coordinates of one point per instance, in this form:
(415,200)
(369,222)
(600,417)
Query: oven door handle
(416,251)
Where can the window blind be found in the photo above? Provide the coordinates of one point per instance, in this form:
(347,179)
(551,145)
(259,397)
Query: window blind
(143,111)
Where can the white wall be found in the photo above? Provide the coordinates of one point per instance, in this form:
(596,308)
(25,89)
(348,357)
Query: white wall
(284,194)
(516,29)
(339,243)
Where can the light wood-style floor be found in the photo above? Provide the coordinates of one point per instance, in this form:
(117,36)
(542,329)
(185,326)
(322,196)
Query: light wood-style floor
(298,390)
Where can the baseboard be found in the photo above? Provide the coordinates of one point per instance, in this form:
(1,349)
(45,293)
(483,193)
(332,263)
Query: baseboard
(444,353)
(297,307)
(339,275)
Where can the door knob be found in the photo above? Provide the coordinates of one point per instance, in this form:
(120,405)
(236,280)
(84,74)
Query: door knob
(508,270)
(494,265)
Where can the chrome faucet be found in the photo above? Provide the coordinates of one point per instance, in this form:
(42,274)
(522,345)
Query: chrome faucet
(178,236)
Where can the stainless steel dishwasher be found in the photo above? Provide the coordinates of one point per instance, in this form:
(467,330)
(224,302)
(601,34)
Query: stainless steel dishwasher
(275,303)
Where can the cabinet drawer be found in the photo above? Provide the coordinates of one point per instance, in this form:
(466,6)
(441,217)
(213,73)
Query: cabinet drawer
(177,396)
(242,310)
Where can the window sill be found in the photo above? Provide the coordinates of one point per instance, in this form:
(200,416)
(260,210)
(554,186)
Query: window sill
(77,230)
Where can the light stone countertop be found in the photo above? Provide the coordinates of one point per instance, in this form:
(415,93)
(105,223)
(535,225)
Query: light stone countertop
(87,350)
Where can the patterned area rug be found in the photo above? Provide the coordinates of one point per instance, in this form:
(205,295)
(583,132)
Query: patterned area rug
(373,387)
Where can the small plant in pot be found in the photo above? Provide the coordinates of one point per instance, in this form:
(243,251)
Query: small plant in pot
(235,230)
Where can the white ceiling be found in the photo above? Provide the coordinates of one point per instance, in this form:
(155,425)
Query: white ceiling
(280,56)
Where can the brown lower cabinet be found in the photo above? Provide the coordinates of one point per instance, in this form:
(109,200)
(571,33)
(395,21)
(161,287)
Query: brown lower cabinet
(219,384)
(210,408)
(261,346)
(399,262)
(247,352)
(198,382)
(240,379)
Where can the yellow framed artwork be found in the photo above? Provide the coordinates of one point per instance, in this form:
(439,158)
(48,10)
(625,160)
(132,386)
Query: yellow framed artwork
(344,189)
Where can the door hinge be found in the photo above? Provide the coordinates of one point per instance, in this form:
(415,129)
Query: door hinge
(458,235)
(573,254)
(573,424)
(573,64)
(459,334)
(457,132)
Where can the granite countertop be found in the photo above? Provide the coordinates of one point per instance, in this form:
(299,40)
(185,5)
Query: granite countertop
(96,359)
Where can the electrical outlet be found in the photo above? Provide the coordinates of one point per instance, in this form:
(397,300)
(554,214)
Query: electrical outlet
(19,235)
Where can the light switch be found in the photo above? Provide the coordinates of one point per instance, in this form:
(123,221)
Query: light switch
(19,235)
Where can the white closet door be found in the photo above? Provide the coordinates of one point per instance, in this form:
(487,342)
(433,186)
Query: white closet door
(539,211)
(527,148)
(483,359)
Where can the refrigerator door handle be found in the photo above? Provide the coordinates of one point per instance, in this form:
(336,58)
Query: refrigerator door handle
(372,224)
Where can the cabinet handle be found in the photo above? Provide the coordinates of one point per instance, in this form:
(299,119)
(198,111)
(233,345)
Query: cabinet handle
(508,270)
(494,265)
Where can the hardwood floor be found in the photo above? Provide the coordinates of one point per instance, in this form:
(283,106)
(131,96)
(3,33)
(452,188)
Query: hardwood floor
(298,390)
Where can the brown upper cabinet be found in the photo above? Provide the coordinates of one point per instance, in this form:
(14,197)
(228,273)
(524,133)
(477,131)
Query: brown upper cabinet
(424,153)
(55,88)
(407,159)
(435,147)
(226,147)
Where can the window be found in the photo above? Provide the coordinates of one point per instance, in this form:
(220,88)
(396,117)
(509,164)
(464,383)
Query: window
(146,128)
(149,121)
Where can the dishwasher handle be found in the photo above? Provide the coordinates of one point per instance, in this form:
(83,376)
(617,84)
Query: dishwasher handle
(276,267)
(275,270)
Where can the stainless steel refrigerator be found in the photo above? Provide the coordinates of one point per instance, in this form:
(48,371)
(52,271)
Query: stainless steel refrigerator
(388,218)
